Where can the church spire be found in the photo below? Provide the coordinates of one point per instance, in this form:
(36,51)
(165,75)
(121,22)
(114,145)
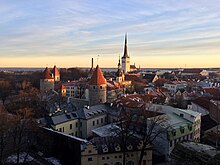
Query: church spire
(125,48)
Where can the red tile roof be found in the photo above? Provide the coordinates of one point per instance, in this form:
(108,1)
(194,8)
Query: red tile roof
(192,71)
(62,87)
(97,77)
(213,91)
(56,71)
(134,78)
(47,74)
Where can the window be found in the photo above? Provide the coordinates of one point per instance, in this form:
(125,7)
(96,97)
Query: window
(182,129)
(171,143)
(100,87)
(144,162)
(130,163)
(107,157)
(120,156)
(93,123)
(101,120)
(116,156)
(80,124)
(76,125)
(90,151)
(60,129)
(93,87)
(63,129)
(103,158)
(117,163)
(71,126)
(90,159)
(181,115)
(97,121)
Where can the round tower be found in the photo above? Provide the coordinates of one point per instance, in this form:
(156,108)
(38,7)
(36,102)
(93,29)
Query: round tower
(56,74)
(97,87)
(46,81)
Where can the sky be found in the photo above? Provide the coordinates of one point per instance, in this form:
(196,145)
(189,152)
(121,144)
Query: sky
(68,33)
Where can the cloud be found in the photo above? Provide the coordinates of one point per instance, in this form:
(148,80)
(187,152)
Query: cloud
(88,28)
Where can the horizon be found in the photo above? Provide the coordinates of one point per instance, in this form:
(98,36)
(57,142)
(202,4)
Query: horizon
(162,34)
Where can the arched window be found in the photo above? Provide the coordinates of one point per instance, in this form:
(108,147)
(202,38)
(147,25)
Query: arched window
(130,163)
(117,163)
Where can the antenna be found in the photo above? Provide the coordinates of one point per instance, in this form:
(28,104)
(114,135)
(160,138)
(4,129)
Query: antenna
(98,59)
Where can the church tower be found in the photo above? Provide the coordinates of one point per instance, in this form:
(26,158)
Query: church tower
(119,74)
(97,87)
(125,58)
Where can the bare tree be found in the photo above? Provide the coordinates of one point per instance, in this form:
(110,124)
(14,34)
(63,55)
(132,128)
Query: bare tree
(142,124)
(23,125)
(4,90)
(5,130)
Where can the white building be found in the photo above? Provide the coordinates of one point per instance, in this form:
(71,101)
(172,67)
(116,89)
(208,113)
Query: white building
(174,86)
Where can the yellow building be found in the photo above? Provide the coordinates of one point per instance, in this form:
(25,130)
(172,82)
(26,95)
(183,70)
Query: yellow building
(105,154)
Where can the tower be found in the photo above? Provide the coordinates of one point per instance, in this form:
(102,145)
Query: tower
(125,58)
(97,87)
(91,70)
(56,74)
(119,74)
(46,81)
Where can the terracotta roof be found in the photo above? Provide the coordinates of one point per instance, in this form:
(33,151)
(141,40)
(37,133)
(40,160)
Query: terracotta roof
(47,74)
(56,71)
(134,78)
(62,87)
(202,102)
(192,71)
(97,77)
(213,91)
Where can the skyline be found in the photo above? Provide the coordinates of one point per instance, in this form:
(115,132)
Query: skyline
(69,33)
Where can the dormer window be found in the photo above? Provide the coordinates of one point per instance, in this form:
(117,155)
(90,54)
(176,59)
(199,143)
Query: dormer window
(117,148)
(182,129)
(129,147)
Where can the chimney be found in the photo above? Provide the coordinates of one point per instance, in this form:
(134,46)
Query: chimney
(92,63)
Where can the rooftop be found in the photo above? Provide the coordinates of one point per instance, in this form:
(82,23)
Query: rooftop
(97,77)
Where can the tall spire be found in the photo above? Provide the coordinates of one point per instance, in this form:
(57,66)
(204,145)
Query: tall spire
(125,48)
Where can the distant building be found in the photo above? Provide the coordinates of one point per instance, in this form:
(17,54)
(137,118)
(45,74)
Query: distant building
(119,74)
(125,58)
(56,74)
(174,86)
(194,72)
(47,80)
(97,87)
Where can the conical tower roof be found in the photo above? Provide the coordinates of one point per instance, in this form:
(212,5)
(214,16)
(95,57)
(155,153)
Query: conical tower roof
(97,77)
(47,74)
(56,71)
